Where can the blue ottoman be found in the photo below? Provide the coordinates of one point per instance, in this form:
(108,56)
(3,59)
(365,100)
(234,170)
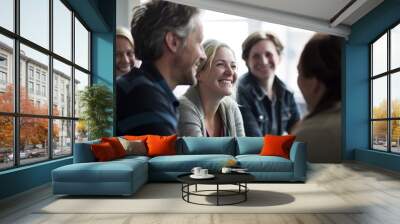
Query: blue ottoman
(118,177)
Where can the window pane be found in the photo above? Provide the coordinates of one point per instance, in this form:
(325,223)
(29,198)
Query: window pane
(35,21)
(81,81)
(33,139)
(379,55)
(379,98)
(81,131)
(7,14)
(34,97)
(395,136)
(395,95)
(6,74)
(62,29)
(6,142)
(379,135)
(81,45)
(62,89)
(395,47)
(62,138)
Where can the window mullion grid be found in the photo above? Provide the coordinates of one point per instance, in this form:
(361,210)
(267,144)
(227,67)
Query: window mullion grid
(16,84)
(371,88)
(73,83)
(389,106)
(50,80)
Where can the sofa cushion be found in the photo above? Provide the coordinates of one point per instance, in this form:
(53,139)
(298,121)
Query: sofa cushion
(112,171)
(249,145)
(206,145)
(161,145)
(277,145)
(257,163)
(185,163)
(133,147)
(116,145)
(103,151)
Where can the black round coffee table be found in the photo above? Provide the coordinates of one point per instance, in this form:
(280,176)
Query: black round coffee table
(238,179)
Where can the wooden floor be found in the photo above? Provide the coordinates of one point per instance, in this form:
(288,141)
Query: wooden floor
(354,182)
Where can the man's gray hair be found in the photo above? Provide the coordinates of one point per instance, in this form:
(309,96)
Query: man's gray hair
(153,20)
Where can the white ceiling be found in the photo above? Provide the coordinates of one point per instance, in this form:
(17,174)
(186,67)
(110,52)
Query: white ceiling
(321,9)
(315,15)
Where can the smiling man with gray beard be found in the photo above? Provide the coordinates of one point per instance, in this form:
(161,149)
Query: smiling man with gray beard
(168,40)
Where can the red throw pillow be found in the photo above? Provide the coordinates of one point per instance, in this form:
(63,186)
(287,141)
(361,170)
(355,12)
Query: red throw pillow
(116,145)
(103,151)
(161,145)
(277,145)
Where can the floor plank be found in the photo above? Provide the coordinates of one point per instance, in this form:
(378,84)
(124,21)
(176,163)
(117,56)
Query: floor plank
(375,189)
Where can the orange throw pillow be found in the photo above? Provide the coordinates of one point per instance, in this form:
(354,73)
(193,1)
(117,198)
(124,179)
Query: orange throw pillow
(103,152)
(161,145)
(116,145)
(277,145)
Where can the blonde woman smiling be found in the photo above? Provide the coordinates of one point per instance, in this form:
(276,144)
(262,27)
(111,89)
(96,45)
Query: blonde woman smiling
(207,109)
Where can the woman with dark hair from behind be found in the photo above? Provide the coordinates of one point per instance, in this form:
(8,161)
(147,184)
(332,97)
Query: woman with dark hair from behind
(320,83)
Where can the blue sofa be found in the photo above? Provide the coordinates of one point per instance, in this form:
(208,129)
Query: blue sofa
(125,176)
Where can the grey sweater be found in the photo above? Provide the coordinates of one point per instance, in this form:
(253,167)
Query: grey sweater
(191,115)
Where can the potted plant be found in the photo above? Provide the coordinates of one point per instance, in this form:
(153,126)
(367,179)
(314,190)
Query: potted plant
(96,104)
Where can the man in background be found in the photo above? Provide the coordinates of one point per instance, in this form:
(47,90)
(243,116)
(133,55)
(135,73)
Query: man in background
(168,40)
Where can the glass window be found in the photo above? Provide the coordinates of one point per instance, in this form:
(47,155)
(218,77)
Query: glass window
(7,14)
(30,87)
(62,72)
(6,142)
(395,136)
(62,29)
(37,89)
(379,98)
(3,79)
(43,90)
(379,135)
(81,131)
(40,62)
(81,45)
(34,79)
(395,47)
(35,21)
(395,95)
(30,71)
(385,125)
(62,138)
(6,73)
(379,56)
(81,81)
(3,61)
(33,140)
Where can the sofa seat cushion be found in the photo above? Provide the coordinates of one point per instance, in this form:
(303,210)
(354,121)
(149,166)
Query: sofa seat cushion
(257,163)
(112,171)
(185,163)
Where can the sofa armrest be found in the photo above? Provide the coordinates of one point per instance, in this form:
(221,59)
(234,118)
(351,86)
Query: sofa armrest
(83,152)
(298,155)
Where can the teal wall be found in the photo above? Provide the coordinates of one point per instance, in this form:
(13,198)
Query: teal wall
(99,16)
(356,104)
